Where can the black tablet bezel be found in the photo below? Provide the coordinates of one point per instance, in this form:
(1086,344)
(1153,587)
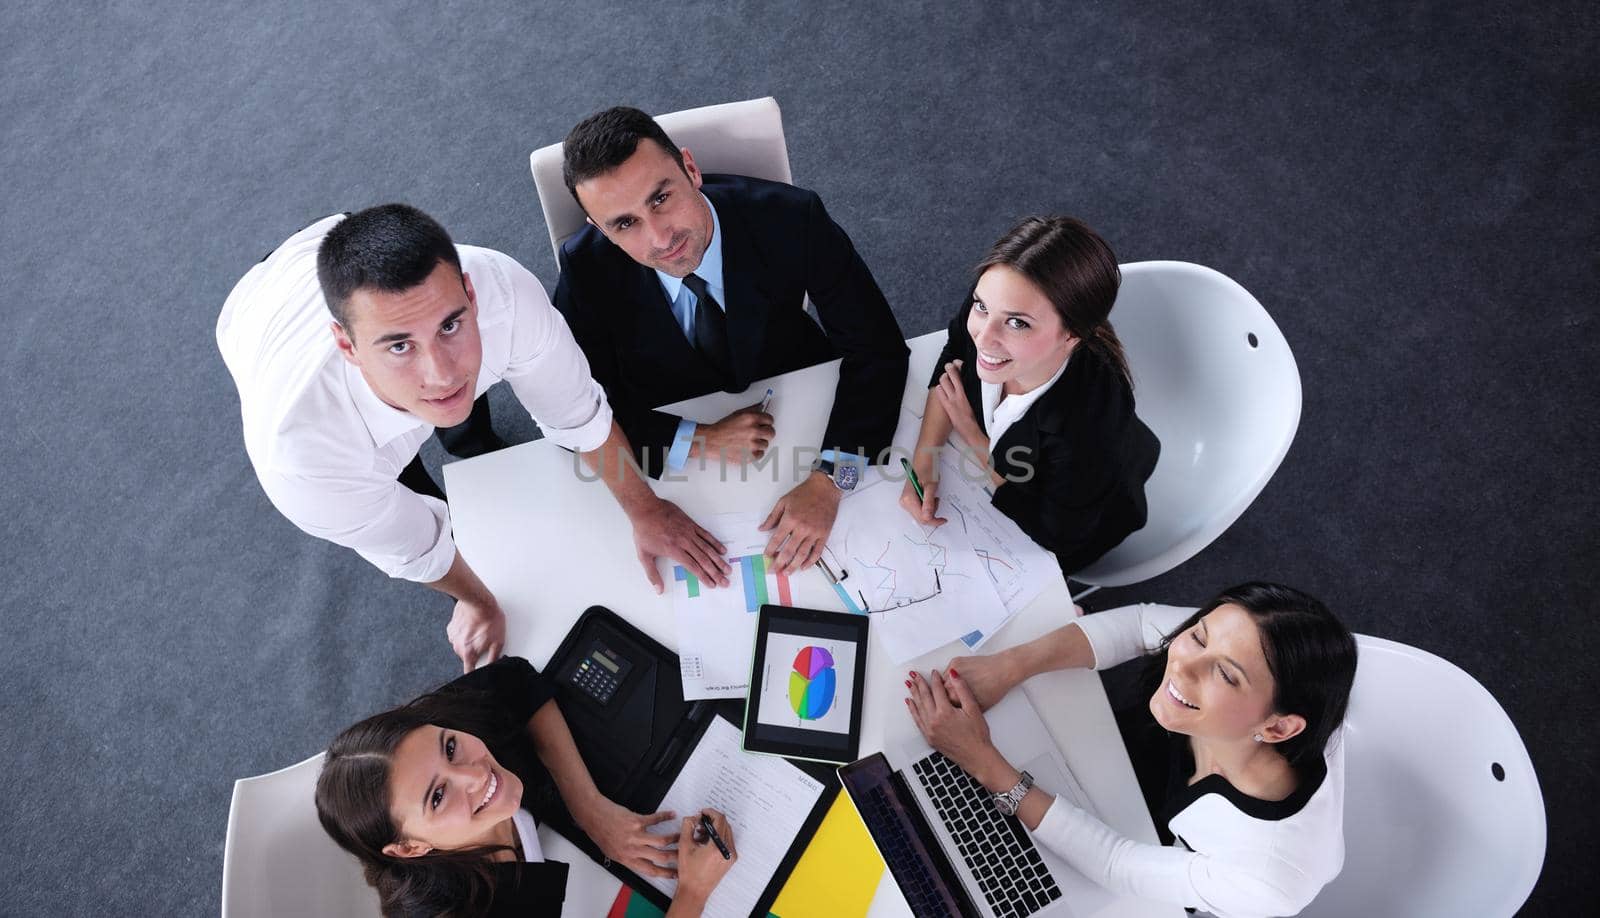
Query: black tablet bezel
(763,738)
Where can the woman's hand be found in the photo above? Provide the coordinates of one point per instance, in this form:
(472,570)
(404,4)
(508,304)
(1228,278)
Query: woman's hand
(924,509)
(700,864)
(988,677)
(953,398)
(624,836)
(951,719)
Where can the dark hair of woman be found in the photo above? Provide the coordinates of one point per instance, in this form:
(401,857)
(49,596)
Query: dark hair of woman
(353,806)
(1076,270)
(1311,654)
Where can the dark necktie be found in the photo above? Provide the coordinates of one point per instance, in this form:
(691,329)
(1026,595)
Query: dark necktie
(710,328)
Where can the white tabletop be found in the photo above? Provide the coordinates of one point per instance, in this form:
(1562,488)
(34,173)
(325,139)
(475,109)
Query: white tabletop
(549,544)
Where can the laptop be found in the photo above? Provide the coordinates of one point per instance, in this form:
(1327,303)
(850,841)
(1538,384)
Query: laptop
(948,848)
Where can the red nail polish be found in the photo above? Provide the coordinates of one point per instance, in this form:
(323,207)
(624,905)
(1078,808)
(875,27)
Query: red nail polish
(954,674)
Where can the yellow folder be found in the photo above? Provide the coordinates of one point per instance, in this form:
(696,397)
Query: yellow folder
(839,871)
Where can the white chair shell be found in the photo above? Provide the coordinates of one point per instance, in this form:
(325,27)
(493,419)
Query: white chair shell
(278,862)
(1216,381)
(1443,814)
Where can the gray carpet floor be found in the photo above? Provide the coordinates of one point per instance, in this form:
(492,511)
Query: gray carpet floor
(1409,189)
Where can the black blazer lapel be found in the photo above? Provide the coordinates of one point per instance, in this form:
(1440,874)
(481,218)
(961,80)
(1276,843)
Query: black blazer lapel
(748,304)
(655,329)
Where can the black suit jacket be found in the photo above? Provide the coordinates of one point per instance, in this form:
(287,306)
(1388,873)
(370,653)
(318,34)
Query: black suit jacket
(778,244)
(1084,454)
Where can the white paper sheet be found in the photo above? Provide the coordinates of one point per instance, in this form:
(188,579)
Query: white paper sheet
(924,586)
(717,626)
(1019,568)
(766,800)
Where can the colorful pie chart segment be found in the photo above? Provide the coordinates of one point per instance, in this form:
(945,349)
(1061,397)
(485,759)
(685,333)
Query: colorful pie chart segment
(811,683)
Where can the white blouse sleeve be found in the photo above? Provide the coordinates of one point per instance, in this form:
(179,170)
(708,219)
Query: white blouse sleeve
(1119,635)
(1248,884)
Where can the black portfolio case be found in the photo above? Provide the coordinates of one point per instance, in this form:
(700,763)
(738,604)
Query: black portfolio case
(637,739)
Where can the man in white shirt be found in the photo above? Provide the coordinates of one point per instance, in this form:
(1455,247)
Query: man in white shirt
(356,338)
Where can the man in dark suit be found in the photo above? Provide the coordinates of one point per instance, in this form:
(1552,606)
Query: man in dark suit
(684,284)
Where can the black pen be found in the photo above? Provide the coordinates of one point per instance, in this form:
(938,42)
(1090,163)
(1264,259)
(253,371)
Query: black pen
(705,823)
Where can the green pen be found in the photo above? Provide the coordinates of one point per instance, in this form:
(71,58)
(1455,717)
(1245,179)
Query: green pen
(912,474)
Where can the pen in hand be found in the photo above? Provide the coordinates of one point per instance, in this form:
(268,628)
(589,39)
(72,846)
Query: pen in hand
(710,830)
(911,473)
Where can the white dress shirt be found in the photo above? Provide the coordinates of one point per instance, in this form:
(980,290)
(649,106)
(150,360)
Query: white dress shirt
(328,451)
(1000,411)
(1228,862)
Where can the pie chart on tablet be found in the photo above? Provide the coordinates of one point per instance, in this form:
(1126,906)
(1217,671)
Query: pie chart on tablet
(811,683)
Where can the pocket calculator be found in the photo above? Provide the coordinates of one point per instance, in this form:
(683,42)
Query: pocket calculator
(599,672)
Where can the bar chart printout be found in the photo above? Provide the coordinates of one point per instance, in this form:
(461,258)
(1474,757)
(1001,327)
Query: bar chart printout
(759,583)
(717,625)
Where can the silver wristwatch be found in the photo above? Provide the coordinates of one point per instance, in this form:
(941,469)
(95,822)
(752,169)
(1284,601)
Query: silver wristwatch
(1008,802)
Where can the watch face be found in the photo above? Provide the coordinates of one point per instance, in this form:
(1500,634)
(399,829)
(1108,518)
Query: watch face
(847,476)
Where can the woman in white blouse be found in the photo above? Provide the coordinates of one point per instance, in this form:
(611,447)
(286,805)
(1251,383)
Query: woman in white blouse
(1246,778)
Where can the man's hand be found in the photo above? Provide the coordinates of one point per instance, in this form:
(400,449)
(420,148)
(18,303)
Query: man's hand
(625,837)
(800,523)
(738,438)
(475,629)
(662,529)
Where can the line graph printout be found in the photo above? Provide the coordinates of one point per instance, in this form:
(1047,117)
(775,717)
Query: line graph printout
(717,625)
(1018,567)
(924,586)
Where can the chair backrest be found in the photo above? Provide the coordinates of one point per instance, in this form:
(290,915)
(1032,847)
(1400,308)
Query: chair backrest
(744,138)
(278,863)
(1443,814)
(1216,381)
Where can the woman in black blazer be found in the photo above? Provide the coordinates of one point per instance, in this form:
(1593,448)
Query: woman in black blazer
(437,799)
(1034,380)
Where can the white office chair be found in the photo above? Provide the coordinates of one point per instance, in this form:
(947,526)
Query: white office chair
(1442,817)
(278,862)
(1216,381)
(743,138)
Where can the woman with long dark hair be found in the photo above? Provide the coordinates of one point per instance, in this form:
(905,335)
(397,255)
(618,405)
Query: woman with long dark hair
(1236,745)
(438,800)
(1035,382)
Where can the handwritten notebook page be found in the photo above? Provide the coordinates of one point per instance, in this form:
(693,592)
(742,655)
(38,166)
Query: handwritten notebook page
(766,800)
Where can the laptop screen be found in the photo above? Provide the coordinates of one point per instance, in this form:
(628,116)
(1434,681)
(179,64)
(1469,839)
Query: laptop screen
(904,838)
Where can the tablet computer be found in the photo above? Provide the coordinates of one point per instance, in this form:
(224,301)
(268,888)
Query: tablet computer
(807,677)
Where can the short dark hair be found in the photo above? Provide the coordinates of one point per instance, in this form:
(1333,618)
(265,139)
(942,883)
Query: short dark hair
(391,247)
(603,141)
(1310,653)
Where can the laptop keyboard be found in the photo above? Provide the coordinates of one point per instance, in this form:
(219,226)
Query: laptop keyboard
(1010,871)
(910,872)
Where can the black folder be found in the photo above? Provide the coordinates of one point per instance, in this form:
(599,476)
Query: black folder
(638,739)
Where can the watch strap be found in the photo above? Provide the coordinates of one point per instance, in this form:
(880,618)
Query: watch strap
(1009,801)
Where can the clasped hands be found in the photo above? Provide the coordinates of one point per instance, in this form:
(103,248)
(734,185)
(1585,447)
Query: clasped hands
(948,707)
